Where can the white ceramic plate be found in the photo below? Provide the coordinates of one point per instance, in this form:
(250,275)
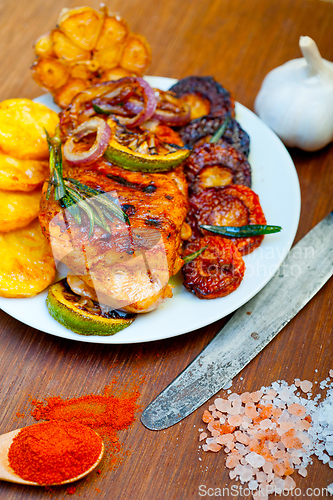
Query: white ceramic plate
(274,180)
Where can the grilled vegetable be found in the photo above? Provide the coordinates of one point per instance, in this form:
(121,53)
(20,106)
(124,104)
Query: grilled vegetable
(142,151)
(216,271)
(201,130)
(82,315)
(213,165)
(205,96)
(232,205)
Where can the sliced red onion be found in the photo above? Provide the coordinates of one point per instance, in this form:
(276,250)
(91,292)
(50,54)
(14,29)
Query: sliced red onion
(148,109)
(103,135)
(113,89)
(173,119)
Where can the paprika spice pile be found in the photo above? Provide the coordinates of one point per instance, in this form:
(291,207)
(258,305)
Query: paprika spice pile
(53,452)
(106,414)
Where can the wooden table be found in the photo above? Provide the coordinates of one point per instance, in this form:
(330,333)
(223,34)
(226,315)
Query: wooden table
(238,42)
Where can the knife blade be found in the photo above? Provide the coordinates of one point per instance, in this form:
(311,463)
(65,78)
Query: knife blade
(307,267)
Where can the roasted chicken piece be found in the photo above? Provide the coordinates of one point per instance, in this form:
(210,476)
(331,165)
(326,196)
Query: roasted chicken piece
(130,267)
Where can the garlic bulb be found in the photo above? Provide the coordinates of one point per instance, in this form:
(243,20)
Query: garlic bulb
(296,99)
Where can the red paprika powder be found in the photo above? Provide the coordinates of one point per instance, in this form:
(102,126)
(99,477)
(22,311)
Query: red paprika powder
(52,452)
(105,413)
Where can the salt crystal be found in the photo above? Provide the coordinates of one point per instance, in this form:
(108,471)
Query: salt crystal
(306,385)
(246,473)
(289,483)
(330,463)
(222,405)
(227,385)
(330,486)
(232,474)
(297,382)
(202,436)
(255,460)
(233,396)
(302,471)
(253,485)
(261,477)
(331,373)
(266,424)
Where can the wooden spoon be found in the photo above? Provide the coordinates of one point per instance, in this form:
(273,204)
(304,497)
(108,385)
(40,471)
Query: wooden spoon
(7,473)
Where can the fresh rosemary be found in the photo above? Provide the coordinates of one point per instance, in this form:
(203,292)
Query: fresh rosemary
(242,231)
(219,133)
(188,258)
(77,197)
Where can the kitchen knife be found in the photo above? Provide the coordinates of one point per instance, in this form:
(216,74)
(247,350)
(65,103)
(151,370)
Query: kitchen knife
(305,270)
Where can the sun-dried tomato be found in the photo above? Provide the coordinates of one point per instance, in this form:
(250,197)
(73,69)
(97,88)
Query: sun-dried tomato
(225,157)
(217,271)
(232,205)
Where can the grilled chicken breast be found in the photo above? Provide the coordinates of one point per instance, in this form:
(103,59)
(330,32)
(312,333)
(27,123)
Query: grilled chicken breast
(130,267)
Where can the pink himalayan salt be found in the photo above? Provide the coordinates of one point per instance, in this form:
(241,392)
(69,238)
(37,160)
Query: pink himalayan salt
(246,397)
(214,447)
(331,373)
(250,411)
(241,437)
(256,396)
(235,420)
(306,385)
(225,439)
(297,409)
(222,405)
(203,436)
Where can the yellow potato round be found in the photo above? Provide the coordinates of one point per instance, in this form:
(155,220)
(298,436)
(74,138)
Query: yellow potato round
(18,209)
(27,264)
(21,175)
(22,124)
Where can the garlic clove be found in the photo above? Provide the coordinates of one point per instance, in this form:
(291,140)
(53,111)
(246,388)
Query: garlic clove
(296,99)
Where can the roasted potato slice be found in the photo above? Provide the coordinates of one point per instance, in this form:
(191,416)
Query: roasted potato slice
(87,46)
(18,209)
(81,25)
(21,175)
(22,128)
(27,264)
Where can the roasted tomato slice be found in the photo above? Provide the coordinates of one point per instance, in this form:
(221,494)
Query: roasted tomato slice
(229,165)
(217,271)
(205,96)
(231,205)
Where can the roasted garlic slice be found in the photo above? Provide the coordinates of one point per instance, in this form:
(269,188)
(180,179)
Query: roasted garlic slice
(87,47)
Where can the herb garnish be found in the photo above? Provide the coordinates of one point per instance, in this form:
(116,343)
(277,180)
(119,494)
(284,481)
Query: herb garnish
(76,196)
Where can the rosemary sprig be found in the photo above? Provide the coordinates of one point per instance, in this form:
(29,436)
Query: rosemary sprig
(219,133)
(77,197)
(242,231)
(193,255)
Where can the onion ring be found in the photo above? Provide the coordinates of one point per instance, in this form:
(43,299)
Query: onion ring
(103,135)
